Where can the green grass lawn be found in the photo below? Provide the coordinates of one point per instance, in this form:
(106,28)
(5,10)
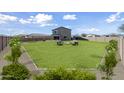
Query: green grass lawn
(48,55)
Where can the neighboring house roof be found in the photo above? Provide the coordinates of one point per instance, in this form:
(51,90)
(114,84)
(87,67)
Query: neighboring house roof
(61,28)
(37,34)
(3,35)
(20,35)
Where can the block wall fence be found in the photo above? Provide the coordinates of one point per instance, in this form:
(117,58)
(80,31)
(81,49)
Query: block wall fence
(107,39)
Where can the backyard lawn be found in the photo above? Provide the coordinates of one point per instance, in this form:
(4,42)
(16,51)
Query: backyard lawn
(48,55)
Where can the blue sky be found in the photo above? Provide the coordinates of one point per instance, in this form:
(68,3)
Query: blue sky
(13,23)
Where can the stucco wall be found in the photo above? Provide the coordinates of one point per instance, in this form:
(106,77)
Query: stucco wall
(101,39)
(121,49)
(107,39)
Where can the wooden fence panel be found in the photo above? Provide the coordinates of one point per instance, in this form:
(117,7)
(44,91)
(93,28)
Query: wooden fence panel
(37,38)
(3,42)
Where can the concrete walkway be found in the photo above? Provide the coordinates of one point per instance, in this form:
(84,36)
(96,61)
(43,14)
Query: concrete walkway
(118,72)
(3,62)
(26,60)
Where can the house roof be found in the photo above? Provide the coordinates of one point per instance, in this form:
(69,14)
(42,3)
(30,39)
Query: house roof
(61,28)
(37,34)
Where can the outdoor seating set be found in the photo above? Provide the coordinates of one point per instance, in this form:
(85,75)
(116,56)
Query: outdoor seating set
(73,42)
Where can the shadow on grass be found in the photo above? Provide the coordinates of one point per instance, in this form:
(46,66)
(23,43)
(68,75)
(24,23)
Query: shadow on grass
(96,56)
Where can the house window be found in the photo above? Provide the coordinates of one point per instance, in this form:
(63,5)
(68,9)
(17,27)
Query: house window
(55,31)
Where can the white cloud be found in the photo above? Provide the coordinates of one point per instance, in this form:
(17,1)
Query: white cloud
(86,30)
(93,29)
(69,17)
(22,21)
(89,29)
(113,18)
(45,24)
(37,19)
(2,22)
(41,19)
(6,18)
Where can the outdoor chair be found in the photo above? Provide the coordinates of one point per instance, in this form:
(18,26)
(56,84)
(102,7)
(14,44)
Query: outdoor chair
(74,43)
(59,42)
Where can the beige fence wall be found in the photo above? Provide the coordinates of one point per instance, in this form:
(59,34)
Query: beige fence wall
(101,39)
(107,39)
(121,49)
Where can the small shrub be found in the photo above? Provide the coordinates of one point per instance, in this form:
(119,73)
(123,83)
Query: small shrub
(62,74)
(15,44)
(15,72)
(112,46)
(8,57)
(15,41)
(82,75)
(110,60)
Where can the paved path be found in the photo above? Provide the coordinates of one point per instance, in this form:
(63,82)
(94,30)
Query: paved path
(28,62)
(3,62)
(118,72)
(24,59)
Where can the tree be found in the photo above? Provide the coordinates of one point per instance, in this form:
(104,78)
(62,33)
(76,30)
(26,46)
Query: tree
(15,45)
(112,46)
(15,71)
(110,60)
(110,63)
(121,28)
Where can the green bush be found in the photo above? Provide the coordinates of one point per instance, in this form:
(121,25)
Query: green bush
(112,46)
(14,41)
(83,75)
(62,74)
(110,60)
(8,57)
(15,44)
(15,72)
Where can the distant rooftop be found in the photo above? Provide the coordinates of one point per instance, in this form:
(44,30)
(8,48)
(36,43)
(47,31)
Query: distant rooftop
(61,28)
